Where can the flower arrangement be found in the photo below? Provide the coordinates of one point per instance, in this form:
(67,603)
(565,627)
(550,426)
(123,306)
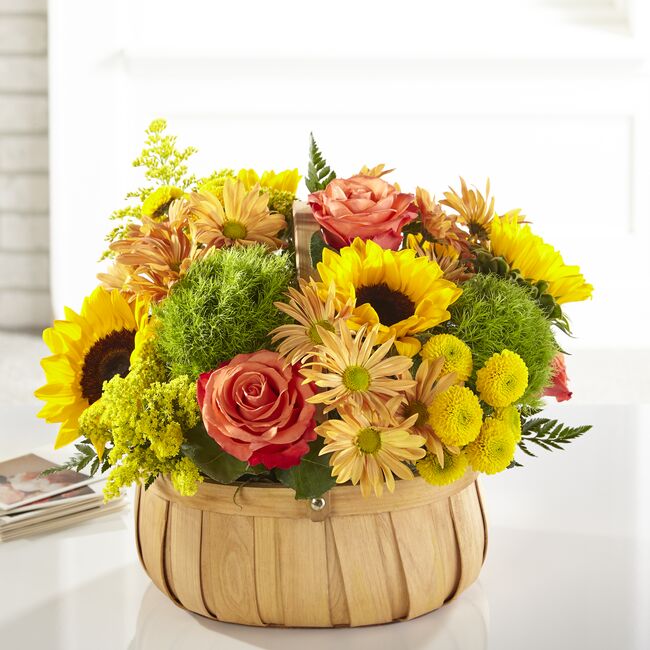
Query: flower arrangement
(422,342)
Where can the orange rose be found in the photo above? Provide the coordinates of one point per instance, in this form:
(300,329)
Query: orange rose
(255,407)
(365,207)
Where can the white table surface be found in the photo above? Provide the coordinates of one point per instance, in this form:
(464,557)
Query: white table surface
(576,577)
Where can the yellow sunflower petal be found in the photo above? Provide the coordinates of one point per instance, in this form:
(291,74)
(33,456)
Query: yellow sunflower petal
(408,346)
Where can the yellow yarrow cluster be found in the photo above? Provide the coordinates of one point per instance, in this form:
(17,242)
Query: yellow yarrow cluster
(432,472)
(503,379)
(493,449)
(140,465)
(456,415)
(145,419)
(457,355)
(214,183)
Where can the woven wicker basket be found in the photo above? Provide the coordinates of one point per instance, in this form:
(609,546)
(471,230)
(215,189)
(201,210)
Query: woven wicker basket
(256,556)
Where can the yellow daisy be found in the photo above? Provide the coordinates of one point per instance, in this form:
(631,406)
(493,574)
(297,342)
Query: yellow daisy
(369,453)
(503,379)
(88,349)
(451,469)
(493,449)
(456,354)
(307,308)
(456,416)
(430,380)
(244,218)
(399,292)
(352,373)
(537,261)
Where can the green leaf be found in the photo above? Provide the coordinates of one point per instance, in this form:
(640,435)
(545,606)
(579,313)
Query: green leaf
(86,454)
(548,434)
(313,477)
(319,175)
(210,458)
(316,247)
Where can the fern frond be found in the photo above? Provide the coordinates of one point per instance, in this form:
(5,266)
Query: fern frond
(319,175)
(548,434)
(86,456)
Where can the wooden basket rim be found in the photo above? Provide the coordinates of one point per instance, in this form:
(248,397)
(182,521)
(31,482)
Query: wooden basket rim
(270,500)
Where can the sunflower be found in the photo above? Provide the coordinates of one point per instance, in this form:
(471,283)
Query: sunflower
(352,373)
(399,292)
(369,453)
(243,219)
(307,308)
(430,380)
(88,349)
(537,261)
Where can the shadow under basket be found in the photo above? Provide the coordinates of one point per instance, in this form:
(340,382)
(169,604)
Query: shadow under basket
(255,555)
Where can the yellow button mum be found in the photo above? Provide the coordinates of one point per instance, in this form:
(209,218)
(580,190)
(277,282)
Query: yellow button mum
(431,471)
(157,203)
(401,293)
(494,448)
(457,355)
(510,415)
(456,416)
(503,379)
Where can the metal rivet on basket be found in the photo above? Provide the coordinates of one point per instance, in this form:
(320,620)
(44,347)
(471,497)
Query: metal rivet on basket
(318,503)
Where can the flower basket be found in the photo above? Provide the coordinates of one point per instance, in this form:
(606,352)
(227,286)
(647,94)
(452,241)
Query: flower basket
(257,556)
(305,393)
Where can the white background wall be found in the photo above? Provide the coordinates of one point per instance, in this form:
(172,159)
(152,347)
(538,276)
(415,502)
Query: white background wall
(24,234)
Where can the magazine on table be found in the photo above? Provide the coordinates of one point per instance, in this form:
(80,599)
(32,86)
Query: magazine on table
(32,502)
(22,481)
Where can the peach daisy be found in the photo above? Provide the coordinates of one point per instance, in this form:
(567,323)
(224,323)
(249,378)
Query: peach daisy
(368,453)
(244,217)
(429,382)
(353,374)
(305,306)
(152,257)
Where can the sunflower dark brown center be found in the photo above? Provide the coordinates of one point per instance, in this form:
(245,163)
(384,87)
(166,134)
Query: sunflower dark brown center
(109,356)
(391,306)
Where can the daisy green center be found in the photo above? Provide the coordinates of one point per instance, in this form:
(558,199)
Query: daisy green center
(356,378)
(234,230)
(313,332)
(369,440)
